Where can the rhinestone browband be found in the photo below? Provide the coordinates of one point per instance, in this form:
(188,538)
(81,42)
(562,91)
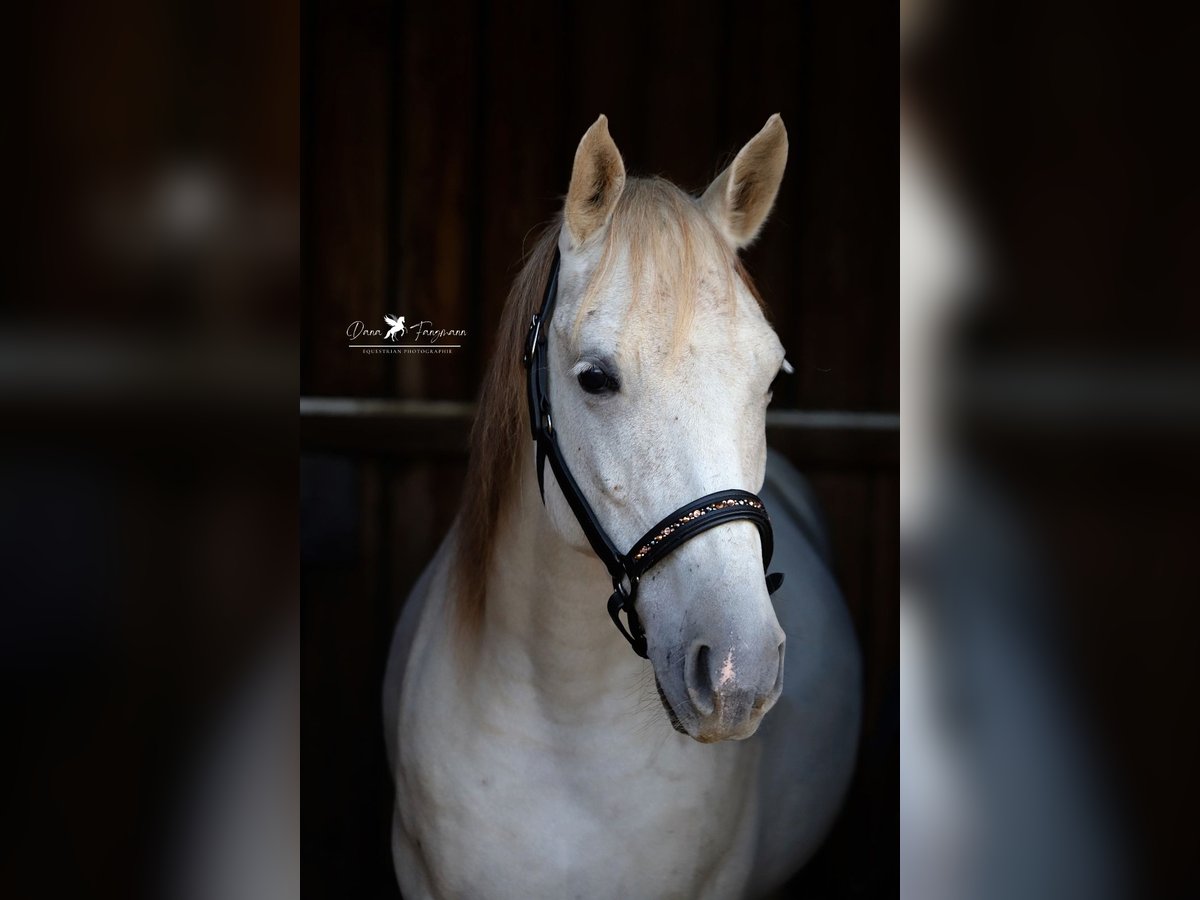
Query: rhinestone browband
(694,514)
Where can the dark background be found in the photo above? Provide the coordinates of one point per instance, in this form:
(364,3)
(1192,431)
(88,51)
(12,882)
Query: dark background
(1074,381)
(435,139)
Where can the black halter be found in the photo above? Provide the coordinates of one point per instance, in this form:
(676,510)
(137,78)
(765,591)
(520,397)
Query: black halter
(667,536)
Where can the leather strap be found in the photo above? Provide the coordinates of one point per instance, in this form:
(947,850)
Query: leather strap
(537,362)
(660,541)
(699,516)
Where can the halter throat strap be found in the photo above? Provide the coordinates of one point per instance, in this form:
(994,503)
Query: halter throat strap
(670,533)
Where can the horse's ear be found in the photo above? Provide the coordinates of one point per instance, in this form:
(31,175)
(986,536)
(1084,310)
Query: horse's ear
(597,180)
(740,198)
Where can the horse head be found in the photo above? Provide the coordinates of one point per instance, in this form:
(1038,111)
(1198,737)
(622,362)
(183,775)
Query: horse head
(661,364)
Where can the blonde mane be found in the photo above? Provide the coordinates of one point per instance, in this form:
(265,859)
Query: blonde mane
(655,224)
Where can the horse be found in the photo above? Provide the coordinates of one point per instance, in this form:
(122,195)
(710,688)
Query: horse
(529,748)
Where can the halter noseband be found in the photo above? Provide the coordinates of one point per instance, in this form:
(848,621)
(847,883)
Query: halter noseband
(672,532)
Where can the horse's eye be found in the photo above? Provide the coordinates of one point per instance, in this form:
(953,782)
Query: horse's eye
(596,381)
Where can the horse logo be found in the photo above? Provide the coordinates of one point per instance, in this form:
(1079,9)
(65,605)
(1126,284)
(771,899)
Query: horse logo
(397,327)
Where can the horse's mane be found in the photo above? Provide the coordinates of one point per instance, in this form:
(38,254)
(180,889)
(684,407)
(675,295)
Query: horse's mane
(497,437)
(652,219)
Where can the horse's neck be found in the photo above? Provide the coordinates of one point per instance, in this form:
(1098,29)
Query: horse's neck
(546,619)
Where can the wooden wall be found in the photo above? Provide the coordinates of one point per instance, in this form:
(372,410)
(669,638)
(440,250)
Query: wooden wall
(435,138)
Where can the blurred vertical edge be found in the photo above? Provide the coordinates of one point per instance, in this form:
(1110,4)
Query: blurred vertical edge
(1049,450)
(148,468)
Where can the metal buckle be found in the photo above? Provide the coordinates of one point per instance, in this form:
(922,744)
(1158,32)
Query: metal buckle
(616,603)
(535,329)
(619,584)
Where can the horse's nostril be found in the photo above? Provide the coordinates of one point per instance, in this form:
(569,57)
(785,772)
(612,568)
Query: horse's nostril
(696,677)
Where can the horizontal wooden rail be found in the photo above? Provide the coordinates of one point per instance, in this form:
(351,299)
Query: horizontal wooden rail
(416,428)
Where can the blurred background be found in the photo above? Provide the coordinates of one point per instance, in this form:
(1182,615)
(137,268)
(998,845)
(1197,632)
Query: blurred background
(1049,384)
(436,139)
(148,501)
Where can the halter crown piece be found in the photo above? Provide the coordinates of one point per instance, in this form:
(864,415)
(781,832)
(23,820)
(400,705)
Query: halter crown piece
(671,533)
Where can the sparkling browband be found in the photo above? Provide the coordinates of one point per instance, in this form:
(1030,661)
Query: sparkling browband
(694,514)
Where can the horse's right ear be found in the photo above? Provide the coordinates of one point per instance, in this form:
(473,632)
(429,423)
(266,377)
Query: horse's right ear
(597,179)
(740,198)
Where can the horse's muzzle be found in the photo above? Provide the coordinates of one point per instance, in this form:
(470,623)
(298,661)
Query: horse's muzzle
(727,691)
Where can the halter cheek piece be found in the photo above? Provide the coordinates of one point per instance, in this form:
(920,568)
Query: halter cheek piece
(672,532)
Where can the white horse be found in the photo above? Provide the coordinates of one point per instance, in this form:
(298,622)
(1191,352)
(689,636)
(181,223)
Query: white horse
(531,756)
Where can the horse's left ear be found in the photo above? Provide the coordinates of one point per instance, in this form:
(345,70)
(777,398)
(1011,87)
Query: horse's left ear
(740,198)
